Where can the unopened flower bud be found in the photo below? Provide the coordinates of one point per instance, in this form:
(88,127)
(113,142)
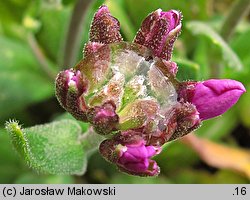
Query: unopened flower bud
(134,158)
(103,118)
(159,32)
(105,28)
(70,85)
(212,97)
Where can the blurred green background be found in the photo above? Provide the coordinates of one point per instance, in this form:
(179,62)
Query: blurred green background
(39,38)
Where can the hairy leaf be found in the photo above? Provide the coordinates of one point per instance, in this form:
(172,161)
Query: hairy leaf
(53,148)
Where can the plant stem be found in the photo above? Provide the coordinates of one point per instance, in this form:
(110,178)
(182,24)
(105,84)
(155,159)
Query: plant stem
(90,140)
(41,58)
(237,11)
(74,33)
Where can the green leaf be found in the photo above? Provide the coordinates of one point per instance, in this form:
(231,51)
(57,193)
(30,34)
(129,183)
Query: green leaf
(187,70)
(127,26)
(200,57)
(176,156)
(218,127)
(13,10)
(53,148)
(191,9)
(90,140)
(21,80)
(229,177)
(230,57)
(32,178)
(66,115)
(200,176)
(11,166)
(244,108)
(54,22)
(240,44)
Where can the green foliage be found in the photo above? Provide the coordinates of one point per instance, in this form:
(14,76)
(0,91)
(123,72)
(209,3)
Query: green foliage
(187,70)
(217,128)
(11,165)
(127,26)
(19,69)
(53,148)
(32,178)
(229,56)
(244,108)
(54,22)
(190,9)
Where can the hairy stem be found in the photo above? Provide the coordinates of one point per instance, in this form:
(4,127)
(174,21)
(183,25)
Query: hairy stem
(238,10)
(72,41)
(41,58)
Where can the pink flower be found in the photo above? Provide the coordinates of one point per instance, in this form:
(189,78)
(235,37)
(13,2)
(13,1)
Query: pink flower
(135,158)
(131,154)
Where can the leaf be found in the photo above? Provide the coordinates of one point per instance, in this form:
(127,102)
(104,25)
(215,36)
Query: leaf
(230,57)
(54,22)
(32,178)
(175,156)
(12,10)
(21,80)
(240,45)
(139,9)
(53,148)
(220,156)
(187,70)
(244,108)
(217,128)
(66,115)
(11,166)
(127,26)
(201,176)
(200,57)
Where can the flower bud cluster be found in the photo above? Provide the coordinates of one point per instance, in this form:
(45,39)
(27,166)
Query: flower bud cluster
(129,91)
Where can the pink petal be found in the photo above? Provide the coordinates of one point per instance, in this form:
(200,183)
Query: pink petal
(214,97)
